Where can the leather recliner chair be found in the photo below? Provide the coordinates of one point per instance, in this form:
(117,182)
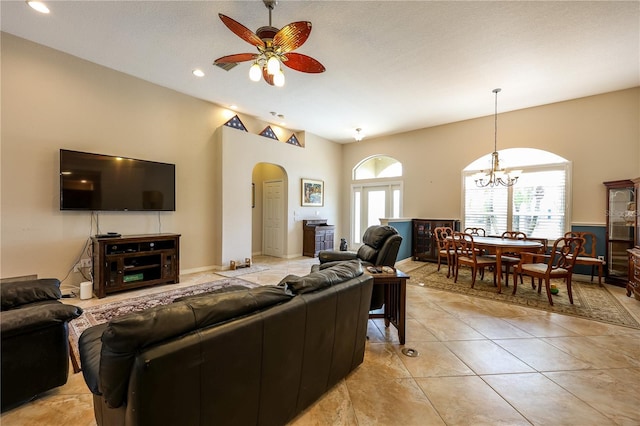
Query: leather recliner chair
(380,246)
(35,345)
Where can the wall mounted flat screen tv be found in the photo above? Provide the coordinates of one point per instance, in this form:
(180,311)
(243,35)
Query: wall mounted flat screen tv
(108,183)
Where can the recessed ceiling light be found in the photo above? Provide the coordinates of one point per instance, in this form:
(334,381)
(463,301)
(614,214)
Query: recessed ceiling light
(39,6)
(233,106)
(198,72)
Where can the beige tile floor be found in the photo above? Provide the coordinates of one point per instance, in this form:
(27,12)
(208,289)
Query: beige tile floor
(480,362)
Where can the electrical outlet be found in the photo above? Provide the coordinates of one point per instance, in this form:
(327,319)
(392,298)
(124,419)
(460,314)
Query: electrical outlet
(82,263)
(601,258)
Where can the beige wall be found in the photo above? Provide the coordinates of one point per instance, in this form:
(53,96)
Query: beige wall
(240,153)
(51,100)
(600,135)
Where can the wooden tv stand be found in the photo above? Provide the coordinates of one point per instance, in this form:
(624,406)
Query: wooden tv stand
(133,261)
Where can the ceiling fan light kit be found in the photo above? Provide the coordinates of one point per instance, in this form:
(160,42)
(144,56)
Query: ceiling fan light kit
(275,47)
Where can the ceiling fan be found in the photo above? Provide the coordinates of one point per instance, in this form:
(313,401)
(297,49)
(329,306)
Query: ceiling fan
(275,47)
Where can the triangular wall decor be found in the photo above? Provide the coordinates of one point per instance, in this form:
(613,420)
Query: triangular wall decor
(268,133)
(293,140)
(235,123)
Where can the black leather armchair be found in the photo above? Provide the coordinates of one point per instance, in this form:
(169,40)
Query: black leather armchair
(34,333)
(380,247)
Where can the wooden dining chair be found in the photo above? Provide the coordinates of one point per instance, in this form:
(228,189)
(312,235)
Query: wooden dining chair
(478,232)
(446,250)
(467,255)
(542,250)
(514,235)
(587,255)
(558,264)
(543,241)
(509,259)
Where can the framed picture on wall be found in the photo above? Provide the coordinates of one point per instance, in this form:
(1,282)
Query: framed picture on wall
(312,193)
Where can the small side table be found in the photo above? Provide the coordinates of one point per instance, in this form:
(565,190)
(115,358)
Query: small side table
(395,299)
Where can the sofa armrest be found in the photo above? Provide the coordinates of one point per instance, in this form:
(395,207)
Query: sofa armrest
(27,319)
(90,346)
(336,256)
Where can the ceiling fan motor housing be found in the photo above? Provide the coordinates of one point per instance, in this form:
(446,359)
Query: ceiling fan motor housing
(266,33)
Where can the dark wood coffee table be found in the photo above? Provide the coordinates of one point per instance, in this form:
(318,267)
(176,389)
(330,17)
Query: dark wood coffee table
(395,299)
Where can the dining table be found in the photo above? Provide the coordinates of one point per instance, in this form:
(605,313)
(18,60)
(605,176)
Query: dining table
(498,246)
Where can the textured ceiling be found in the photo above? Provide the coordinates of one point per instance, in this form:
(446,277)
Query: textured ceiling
(392,66)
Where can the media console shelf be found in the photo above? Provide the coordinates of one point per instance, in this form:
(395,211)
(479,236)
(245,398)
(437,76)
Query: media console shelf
(134,261)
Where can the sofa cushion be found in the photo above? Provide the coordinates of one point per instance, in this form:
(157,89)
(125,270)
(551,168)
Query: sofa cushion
(229,305)
(219,290)
(323,278)
(125,336)
(375,236)
(368,254)
(16,293)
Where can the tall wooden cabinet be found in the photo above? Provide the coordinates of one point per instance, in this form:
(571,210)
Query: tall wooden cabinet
(134,261)
(317,236)
(621,229)
(633,280)
(423,241)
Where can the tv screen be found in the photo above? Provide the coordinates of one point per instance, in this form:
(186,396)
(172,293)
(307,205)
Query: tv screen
(109,183)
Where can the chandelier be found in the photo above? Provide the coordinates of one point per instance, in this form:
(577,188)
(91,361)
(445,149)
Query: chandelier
(496,176)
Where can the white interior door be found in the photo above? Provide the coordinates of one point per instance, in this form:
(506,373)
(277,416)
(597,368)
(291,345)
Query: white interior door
(273,218)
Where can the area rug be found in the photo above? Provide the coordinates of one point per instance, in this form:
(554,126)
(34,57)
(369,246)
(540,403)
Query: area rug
(590,301)
(241,271)
(95,315)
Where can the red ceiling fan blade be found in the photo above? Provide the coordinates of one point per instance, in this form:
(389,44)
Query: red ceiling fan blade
(268,78)
(303,63)
(241,31)
(292,36)
(239,57)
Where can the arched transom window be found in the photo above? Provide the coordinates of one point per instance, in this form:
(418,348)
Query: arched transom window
(376,192)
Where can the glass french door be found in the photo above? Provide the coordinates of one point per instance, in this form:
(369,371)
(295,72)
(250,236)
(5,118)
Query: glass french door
(370,204)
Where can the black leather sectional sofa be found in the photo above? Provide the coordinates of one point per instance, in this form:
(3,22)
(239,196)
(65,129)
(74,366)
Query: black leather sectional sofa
(249,357)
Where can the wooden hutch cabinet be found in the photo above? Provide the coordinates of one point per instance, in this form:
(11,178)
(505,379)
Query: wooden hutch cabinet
(621,229)
(423,241)
(134,261)
(316,236)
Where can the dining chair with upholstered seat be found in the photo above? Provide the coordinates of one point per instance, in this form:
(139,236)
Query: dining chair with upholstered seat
(509,259)
(543,241)
(446,250)
(478,232)
(514,235)
(467,255)
(558,264)
(587,255)
(542,250)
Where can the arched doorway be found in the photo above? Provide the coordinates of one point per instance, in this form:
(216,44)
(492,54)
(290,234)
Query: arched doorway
(269,210)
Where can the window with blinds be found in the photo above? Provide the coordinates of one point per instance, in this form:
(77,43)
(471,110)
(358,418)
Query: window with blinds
(536,205)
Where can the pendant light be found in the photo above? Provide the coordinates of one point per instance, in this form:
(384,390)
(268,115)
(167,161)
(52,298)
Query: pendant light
(496,176)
